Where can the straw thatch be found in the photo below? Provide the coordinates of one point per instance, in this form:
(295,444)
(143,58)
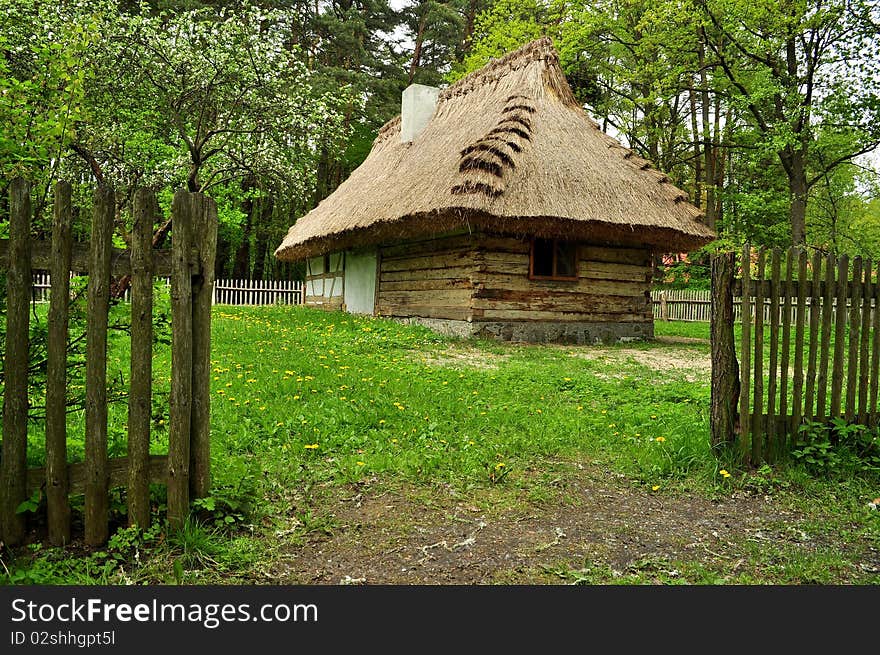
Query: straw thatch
(509,150)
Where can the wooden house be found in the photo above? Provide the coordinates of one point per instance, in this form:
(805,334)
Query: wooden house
(497,207)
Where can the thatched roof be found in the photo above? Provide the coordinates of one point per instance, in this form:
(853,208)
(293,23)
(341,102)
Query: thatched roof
(509,149)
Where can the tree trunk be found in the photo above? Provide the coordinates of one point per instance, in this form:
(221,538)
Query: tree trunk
(797,185)
(417,50)
(725,368)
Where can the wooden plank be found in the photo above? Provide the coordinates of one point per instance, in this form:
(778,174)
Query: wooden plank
(524,315)
(809,410)
(634,256)
(774,350)
(427,285)
(440,260)
(97,503)
(200,431)
(828,292)
(57,489)
(604,271)
(120,265)
(867,299)
(786,332)
(13,465)
(521,282)
(453,272)
(758,429)
(425,311)
(875,351)
(117,469)
(433,245)
(448,298)
(855,324)
(839,335)
(181,361)
(797,388)
(745,355)
(140,390)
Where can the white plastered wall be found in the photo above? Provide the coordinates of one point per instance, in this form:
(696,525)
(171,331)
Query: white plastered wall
(360,282)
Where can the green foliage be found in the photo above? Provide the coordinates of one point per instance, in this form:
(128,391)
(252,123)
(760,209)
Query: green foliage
(837,449)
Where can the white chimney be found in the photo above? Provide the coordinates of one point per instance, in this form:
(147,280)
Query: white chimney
(416,109)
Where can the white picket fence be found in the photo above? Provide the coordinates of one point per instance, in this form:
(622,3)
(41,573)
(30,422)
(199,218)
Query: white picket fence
(226,292)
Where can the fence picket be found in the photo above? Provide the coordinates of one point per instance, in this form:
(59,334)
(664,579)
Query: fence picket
(827,312)
(855,323)
(815,310)
(770,427)
(57,500)
(758,425)
(839,334)
(786,333)
(745,354)
(798,383)
(867,298)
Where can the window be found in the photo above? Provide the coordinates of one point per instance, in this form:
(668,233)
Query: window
(553,259)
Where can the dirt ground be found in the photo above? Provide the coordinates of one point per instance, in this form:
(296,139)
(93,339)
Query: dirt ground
(597,528)
(588,524)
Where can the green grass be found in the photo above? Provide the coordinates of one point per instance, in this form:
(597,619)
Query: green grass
(305,402)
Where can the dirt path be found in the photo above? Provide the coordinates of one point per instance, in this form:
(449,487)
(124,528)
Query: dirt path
(599,528)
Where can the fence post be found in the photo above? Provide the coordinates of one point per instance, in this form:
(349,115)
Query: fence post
(205,230)
(13,467)
(57,501)
(725,369)
(181,359)
(140,394)
(97,477)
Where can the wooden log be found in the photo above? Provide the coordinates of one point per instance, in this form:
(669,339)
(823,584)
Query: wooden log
(117,470)
(521,282)
(855,324)
(633,256)
(528,315)
(140,391)
(604,271)
(57,500)
(774,351)
(13,465)
(809,410)
(444,260)
(180,427)
(725,370)
(426,311)
(867,300)
(41,259)
(758,429)
(745,353)
(447,244)
(200,449)
(97,503)
(839,335)
(429,274)
(828,293)
(428,285)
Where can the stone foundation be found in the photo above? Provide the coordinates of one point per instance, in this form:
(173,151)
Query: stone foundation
(540,331)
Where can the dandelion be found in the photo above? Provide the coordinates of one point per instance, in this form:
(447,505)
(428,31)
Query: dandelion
(724,474)
(360,463)
(311,446)
(660,439)
(499,465)
(655,487)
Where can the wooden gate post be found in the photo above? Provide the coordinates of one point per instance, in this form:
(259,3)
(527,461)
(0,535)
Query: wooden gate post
(13,467)
(183,210)
(205,234)
(57,501)
(725,369)
(139,399)
(97,510)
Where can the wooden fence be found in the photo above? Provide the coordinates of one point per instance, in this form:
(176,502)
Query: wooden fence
(225,292)
(190,265)
(813,357)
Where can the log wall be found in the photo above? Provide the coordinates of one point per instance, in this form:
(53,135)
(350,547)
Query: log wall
(613,285)
(432,278)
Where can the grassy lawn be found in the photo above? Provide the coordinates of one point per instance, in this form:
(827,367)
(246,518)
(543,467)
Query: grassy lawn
(357,449)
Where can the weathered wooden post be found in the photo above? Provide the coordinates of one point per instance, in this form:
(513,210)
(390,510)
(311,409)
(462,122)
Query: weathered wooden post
(725,369)
(179,434)
(13,467)
(139,399)
(205,223)
(745,422)
(664,309)
(97,472)
(57,501)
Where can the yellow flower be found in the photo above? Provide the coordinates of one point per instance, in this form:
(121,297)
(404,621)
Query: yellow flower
(660,439)
(360,463)
(655,487)
(310,446)
(499,465)
(723,473)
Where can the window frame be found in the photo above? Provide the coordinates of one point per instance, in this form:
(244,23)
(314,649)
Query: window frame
(554,277)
